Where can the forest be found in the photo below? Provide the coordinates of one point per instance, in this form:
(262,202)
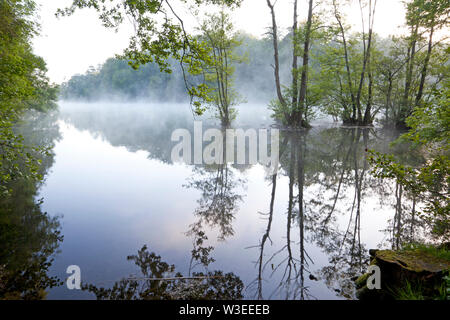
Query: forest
(385,102)
(373,78)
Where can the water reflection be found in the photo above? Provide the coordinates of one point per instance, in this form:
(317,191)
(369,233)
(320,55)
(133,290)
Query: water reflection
(321,211)
(292,266)
(347,255)
(29,238)
(159,281)
(220,191)
(328,179)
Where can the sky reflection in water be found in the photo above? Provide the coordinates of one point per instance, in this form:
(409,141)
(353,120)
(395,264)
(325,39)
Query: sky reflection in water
(116,189)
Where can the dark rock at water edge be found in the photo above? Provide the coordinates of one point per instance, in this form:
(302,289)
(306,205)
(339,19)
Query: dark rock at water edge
(400,268)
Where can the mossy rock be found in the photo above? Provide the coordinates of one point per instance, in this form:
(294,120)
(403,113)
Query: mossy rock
(399,268)
(362,281)
(413,261)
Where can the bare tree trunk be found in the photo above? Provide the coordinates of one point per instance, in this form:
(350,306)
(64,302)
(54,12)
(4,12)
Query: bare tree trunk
(304,78)
(388,99)
(366,56)
(425,68)
(296,113)
(368,114)
(276,56)
(347,64)
(409,67)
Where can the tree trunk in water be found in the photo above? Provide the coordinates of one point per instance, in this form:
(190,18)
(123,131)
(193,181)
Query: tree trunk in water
(366,59)
(425,68)
(304,79)
(347,64)
(296,113)
(276,57)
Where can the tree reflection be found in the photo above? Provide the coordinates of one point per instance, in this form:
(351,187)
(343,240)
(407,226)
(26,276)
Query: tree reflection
(328,181)
(160,281)
(348,257)
(329,190)
(346,253)
(292,265)
(29,238)
(406,226)
(219,188)
(219,198)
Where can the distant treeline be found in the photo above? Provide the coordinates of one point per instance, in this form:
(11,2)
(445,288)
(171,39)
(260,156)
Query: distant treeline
(116,80)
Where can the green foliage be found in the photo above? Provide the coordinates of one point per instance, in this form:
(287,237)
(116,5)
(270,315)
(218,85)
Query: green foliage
(160,36)
(415,291)
(160,281)
(409,292)
(429,183)
(392,78)
(438,252)
(428,13)
(218,70)
(430,126)
(447,286)
(23,86)
(28,237)
(116,80)
(430,123)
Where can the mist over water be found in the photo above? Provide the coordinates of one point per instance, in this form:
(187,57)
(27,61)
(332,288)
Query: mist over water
(115,189)
(213,161)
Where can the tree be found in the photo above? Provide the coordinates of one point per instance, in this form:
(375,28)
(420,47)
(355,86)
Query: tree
(423,17)
(351,57)
(281,100)
(431,15)
(23,86)
(430,131)
(366,64)
(218,70)
(338,18)
(160,34)
(389,70)
(304,74)
(160,281)
(293,113)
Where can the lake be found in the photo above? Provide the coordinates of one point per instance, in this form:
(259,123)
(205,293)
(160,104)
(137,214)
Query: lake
(303,233)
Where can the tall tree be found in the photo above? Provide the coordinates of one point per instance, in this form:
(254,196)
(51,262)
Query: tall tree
(276,55)
(338,17)
(218,71)
(367,46)
(293,113)
(432,15)
(23,86)
(304,77)
(424,19)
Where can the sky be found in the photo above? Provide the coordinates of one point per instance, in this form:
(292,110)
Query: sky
(70,45)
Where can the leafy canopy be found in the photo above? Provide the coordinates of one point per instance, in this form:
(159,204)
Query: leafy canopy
(160,34)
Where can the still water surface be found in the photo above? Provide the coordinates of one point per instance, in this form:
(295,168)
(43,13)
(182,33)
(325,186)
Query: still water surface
(114,188)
